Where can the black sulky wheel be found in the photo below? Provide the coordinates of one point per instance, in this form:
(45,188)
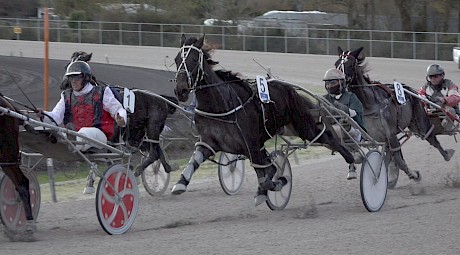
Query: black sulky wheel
(231,176)
(374,181)
(12,212)
(117,200)
(155,179)
(278,200)
(393,174)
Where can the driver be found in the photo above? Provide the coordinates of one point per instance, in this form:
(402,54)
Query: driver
(87,109)
(442,92)
(342,99)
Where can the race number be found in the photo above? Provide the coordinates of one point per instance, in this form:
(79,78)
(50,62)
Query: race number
(262,87)
(399,90)
(128,100)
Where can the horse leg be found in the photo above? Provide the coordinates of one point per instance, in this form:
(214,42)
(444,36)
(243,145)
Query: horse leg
(425,127)
(447,154)
(395,149)
(21,184)
(327,138)
(155,153)
(265,173)
(200,154)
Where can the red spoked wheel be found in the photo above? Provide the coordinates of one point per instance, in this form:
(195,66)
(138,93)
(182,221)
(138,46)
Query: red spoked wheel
(12,212)
(117,200)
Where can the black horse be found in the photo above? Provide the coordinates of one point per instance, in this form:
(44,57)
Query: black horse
(146,123)
(230,117)
(385,118)
(10,160)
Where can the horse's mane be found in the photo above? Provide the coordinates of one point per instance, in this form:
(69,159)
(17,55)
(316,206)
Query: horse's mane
(208,49)
(363,68)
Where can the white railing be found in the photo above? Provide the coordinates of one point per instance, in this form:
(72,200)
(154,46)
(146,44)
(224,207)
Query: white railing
(308,40)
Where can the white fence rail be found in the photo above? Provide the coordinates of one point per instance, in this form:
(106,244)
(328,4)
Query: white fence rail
(376,43)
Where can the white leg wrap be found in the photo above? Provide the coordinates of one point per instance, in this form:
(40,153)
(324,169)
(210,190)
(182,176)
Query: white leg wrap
(196,158)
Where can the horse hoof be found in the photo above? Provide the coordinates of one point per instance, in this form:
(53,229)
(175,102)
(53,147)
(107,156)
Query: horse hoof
(449,154)
(416,177)
(88,190)
(31,226)
(178,189)
(259,199)
(283,180)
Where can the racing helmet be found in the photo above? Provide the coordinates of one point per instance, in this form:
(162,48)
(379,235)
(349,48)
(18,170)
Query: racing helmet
(333,74)
(79,67)
(434,69)
(334,81)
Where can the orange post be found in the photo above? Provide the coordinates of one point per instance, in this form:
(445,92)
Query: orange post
(46,77)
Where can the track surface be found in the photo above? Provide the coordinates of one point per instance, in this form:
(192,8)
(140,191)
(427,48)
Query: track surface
(325,214)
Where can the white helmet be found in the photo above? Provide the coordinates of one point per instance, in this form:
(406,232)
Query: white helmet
(91,132)
(333,74)
(434,69)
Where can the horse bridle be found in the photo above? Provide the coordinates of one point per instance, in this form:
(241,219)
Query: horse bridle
(344,57)
(185,51)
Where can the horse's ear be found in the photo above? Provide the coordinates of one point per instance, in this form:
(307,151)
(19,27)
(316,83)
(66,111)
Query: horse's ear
(339,50)
(182,40)
(89,56)
(356,52)
(200,42)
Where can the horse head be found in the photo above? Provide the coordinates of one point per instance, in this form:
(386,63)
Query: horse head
(190,66)
(348,63)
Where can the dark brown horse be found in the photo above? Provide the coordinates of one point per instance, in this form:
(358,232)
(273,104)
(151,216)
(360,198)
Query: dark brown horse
(385,118)
(230,117)
(10,160)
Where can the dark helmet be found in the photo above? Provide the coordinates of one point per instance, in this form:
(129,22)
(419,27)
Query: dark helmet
(434,69)
(79,67)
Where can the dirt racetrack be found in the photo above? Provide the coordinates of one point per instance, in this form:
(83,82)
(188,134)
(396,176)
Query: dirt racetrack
(324,216)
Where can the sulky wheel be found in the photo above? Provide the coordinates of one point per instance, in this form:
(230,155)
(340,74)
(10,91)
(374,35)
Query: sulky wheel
(155,179)
(117,200)
(11,206)
(374,181)
(231,176)
(393,174)
(277,200)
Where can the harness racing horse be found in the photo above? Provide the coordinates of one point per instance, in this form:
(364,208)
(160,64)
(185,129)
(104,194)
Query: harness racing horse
(380,109)
(229,116)
(9,163)
(146,123)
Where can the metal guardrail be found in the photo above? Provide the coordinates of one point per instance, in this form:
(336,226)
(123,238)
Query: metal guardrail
(307,40)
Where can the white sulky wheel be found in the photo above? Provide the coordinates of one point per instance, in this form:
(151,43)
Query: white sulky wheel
(374,181)
(278,200)
(117,200)
(155,179)
(231,176)
(11,206)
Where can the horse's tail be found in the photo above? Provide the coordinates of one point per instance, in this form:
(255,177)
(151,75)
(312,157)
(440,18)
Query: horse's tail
(171,109)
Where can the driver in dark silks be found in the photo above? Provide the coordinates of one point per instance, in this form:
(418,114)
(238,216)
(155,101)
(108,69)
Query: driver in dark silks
(88,109)
(442,92)
(342,99)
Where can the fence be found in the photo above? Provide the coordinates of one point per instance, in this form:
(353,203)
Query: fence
(308,40)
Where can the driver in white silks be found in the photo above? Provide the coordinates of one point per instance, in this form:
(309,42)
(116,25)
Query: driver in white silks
(87,109)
